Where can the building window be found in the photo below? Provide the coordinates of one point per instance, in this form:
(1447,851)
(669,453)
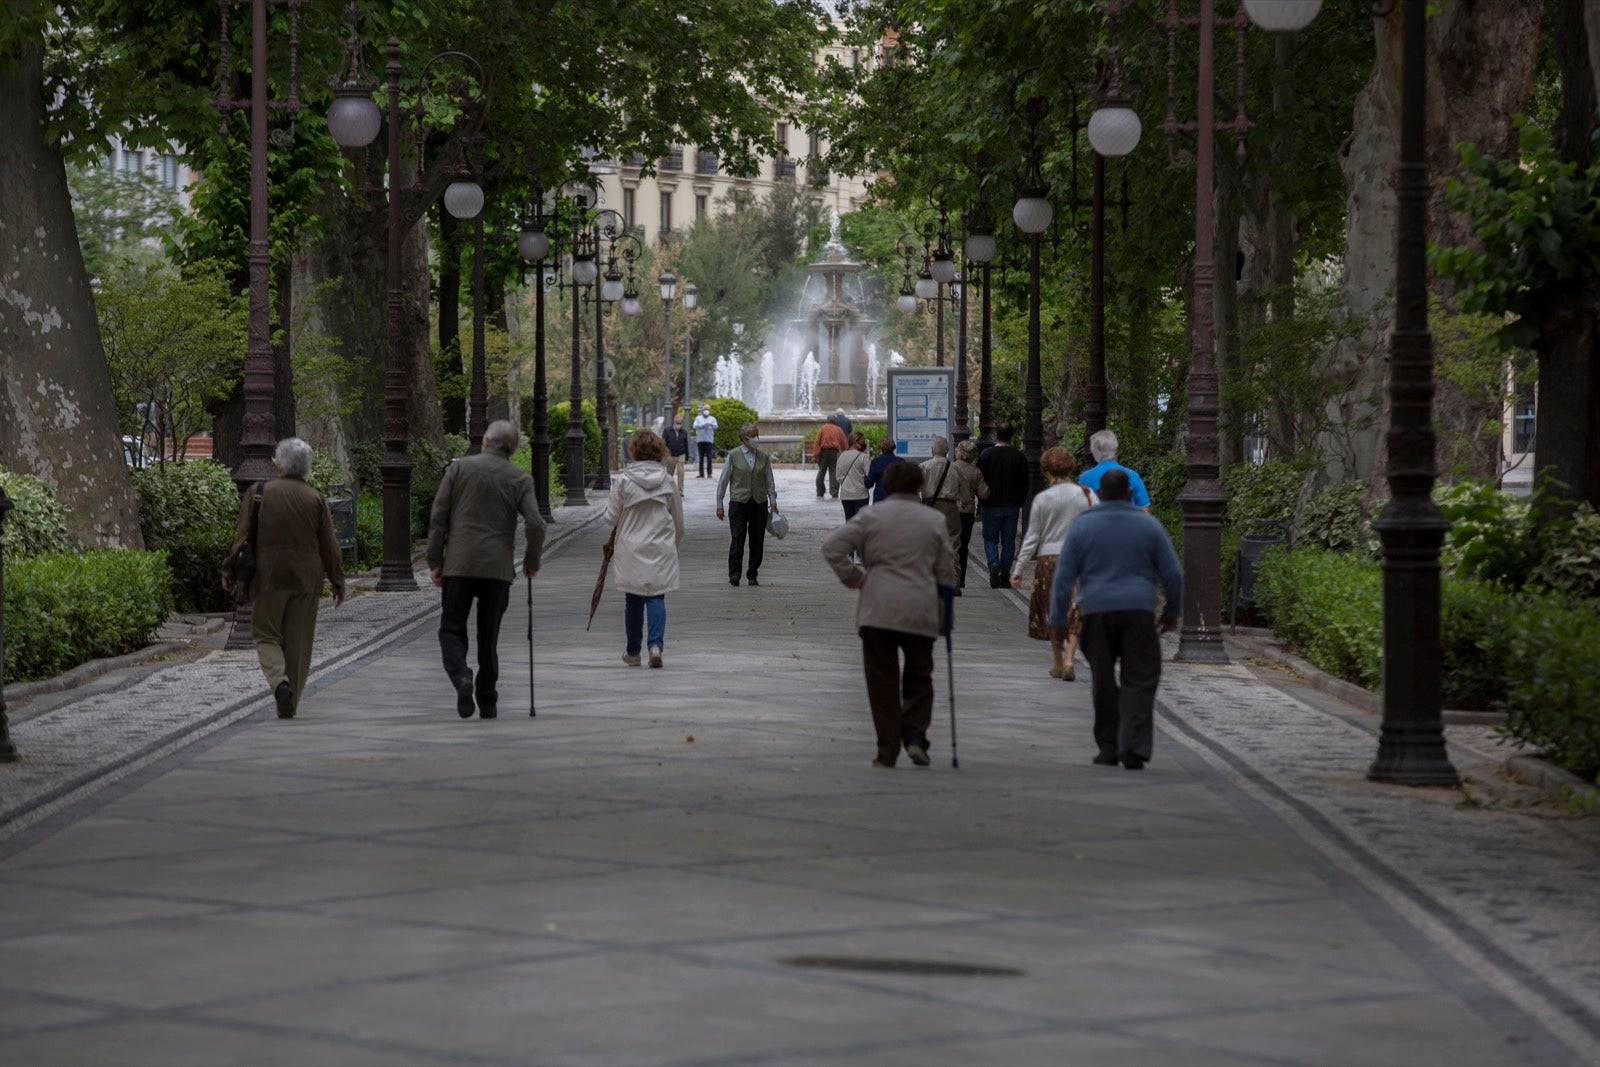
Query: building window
(700,206)
(783,138)
(628,208)
(169,170)
(1522,420)
(673,160)
(705,162)
(132,160)
(855,58)
(666,215)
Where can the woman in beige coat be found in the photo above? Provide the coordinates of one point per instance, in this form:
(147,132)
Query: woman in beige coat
(851,467)
(295,549)
(905,556)
(647,511)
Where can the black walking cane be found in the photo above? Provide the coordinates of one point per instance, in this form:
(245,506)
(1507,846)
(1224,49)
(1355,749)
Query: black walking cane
(947,594)
(532,712)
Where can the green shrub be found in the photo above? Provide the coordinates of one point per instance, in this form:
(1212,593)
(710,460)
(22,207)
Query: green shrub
(1330,605)
(1553,684)
(873,432)
(1490,537)
(37,524)
(558,418)
(66,609)
(524,458)
(190,510)
(456,445)
(730,415)
(1474,645)
(326,472)
(1569,554)
(428,462)
(369,531)
(1335,519)
(365,460)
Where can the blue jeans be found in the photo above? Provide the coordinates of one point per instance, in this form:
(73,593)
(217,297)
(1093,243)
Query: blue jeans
(635,610)
(1000,538)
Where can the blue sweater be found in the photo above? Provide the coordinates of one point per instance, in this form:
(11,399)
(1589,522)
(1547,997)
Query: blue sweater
(1115,553)
(874,478)
(1092,476)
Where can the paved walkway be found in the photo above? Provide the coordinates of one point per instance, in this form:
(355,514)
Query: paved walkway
(696,865)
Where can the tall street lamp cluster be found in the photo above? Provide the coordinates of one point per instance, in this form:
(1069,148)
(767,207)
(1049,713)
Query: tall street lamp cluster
(667,284)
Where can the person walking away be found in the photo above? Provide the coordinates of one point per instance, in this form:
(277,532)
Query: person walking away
(829,442)
(880,463)
(1115,554)
(471,537)
(1054,510)
(852,468)
(295,548)
(751,490)
(647,511)
(905,556)
(705,438)
(1005,469)
(841,420)
(942,488)
(1103,447)
(676,441)
(976,491)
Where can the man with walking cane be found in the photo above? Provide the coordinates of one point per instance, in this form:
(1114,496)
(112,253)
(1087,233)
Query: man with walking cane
(471,538)
(905,557)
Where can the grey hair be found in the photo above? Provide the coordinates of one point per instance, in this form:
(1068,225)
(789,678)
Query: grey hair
(966,450)
(940,447)
(746,430)
(500,438)
(1103,445)
(293,457)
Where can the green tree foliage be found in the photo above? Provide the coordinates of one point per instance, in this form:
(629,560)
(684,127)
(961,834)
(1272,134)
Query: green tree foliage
(730,414)
(190,510)
(36,526)
(173,340)
(117,211)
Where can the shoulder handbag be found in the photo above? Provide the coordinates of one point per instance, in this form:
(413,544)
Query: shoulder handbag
(244,567)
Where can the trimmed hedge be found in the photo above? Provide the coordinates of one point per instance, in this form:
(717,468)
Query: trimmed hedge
(190,510)
(66,609)
(1534,655)
(37,525)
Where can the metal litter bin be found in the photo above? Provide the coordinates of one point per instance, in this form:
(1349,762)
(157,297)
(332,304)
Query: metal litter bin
(342,504)
(1253,548)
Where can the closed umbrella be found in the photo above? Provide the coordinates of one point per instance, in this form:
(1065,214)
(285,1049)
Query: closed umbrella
(600,581)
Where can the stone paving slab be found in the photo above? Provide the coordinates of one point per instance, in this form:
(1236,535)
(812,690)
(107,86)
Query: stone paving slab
(633,875)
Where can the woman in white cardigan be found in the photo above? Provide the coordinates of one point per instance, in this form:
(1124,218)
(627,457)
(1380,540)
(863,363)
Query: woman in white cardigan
(1052,513)
(645,507)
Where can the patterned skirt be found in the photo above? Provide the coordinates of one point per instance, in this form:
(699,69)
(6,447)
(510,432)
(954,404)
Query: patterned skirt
(1044,575)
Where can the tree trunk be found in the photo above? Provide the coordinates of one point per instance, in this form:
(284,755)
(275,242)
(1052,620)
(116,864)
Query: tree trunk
(1482,55)
(58,418)
(494,302)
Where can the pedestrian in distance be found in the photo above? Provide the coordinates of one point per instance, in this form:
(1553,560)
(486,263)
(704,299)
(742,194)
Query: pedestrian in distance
(943,489)
(826,446)
(852,468)
(752,491)
(471,538)
(705,439)
(880,463)
(904,557)
(646,510)
(1005,469)
(1116,554)
(976,492)
(676,440)
(1054,510)
(290,531)
(1103,447)
(841,420)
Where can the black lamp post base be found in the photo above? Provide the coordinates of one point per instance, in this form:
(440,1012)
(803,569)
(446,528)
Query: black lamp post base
(1413,754)
(393,579)
(1201,646)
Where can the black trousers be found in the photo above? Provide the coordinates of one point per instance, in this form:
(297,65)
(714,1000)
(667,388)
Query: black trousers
(828,467)
(704,449)
(901,700)
(492,596)
(747,520)
(1124,708)
(968,521)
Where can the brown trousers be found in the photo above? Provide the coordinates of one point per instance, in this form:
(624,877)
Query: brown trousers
(902,701)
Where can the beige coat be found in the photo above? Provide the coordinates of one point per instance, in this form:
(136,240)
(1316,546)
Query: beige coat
(976,488)
(295,543)
(905,557)
(472,532)
(852,471)
(645,507)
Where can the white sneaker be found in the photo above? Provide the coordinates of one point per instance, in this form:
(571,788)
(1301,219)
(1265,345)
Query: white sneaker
(632,661)
(655,655)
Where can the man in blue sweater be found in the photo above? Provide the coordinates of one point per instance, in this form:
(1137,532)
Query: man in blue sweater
(1115,554)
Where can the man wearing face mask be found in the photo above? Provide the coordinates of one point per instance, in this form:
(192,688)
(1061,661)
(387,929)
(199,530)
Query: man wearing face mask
(751,490)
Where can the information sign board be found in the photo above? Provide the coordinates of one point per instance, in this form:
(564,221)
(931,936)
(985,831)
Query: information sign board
(920,402)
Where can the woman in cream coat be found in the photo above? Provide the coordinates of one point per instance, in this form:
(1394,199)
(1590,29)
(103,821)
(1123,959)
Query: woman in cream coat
(1053,511)
(905,556)
(647,511)
(851,467)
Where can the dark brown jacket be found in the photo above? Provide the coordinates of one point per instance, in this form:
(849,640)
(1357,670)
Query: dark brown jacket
(295,543)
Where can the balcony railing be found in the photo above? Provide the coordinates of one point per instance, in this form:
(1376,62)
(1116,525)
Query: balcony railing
(705,162)
(633,159)
(673,160)
(783,168)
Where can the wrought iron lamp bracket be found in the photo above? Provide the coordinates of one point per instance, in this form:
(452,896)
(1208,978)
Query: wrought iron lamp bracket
(226,103)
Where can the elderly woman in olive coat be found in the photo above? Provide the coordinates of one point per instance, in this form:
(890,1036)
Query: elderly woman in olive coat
(295,549)
(905,556)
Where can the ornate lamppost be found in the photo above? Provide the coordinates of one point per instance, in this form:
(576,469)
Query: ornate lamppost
(690,297)
(353,121)
(533,244)
(667,282)
(8,750)
(1411,749)
(1032,214)
(478,397)
(585,272)
(979,247)
(1202,498)
(259,430)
